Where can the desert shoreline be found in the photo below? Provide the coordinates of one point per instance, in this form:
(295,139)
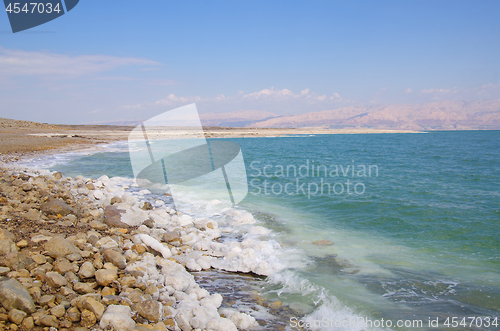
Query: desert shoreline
(20,137)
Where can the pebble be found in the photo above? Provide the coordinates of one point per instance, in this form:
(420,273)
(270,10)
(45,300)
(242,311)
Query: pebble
(115,257)
(149,309)
(4,271)
(83,288)
(87,318)
(21,244)
(87,270)
(58,311)
(54,279)
(48,320)
(105,277)
(16,316)
(95,307)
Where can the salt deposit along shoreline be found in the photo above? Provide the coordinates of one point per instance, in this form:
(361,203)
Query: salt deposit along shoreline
(94,254)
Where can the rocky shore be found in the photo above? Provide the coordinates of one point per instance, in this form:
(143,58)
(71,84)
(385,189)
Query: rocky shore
(85,254)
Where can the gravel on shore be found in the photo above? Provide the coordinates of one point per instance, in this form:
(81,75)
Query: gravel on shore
(68,261)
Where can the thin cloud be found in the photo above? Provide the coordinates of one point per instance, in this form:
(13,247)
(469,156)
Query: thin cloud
(266,95)
(272,100)
(440,91)
(15,62)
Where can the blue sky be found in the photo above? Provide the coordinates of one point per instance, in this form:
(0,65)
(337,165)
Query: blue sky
(132,59)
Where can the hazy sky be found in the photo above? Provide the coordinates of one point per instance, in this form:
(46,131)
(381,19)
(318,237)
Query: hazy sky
(133,59)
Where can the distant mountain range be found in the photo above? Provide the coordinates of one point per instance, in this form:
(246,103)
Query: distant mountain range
(240,118)
(442,115)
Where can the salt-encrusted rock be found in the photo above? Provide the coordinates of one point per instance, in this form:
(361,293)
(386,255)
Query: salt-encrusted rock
(56,207)
(60,246)
(113,216)
(13,295)
(118,318)
(115,257)
(191,265)
(215,300)
(98,194)
(155,244)
(185,220)
(105,277)
(7,246)
(95,307)
(221,324)
(87,270)
(149,309)
(201,317)
(168,312)
(106,242)
(241,320)
(16,316)
(55,280)
(57,175)
(243,218)
(189,239)
(182,320)
(87,318)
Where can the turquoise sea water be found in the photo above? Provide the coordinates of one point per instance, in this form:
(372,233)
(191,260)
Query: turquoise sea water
(415,227)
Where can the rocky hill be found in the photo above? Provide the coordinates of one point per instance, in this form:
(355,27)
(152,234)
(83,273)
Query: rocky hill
(443,115)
